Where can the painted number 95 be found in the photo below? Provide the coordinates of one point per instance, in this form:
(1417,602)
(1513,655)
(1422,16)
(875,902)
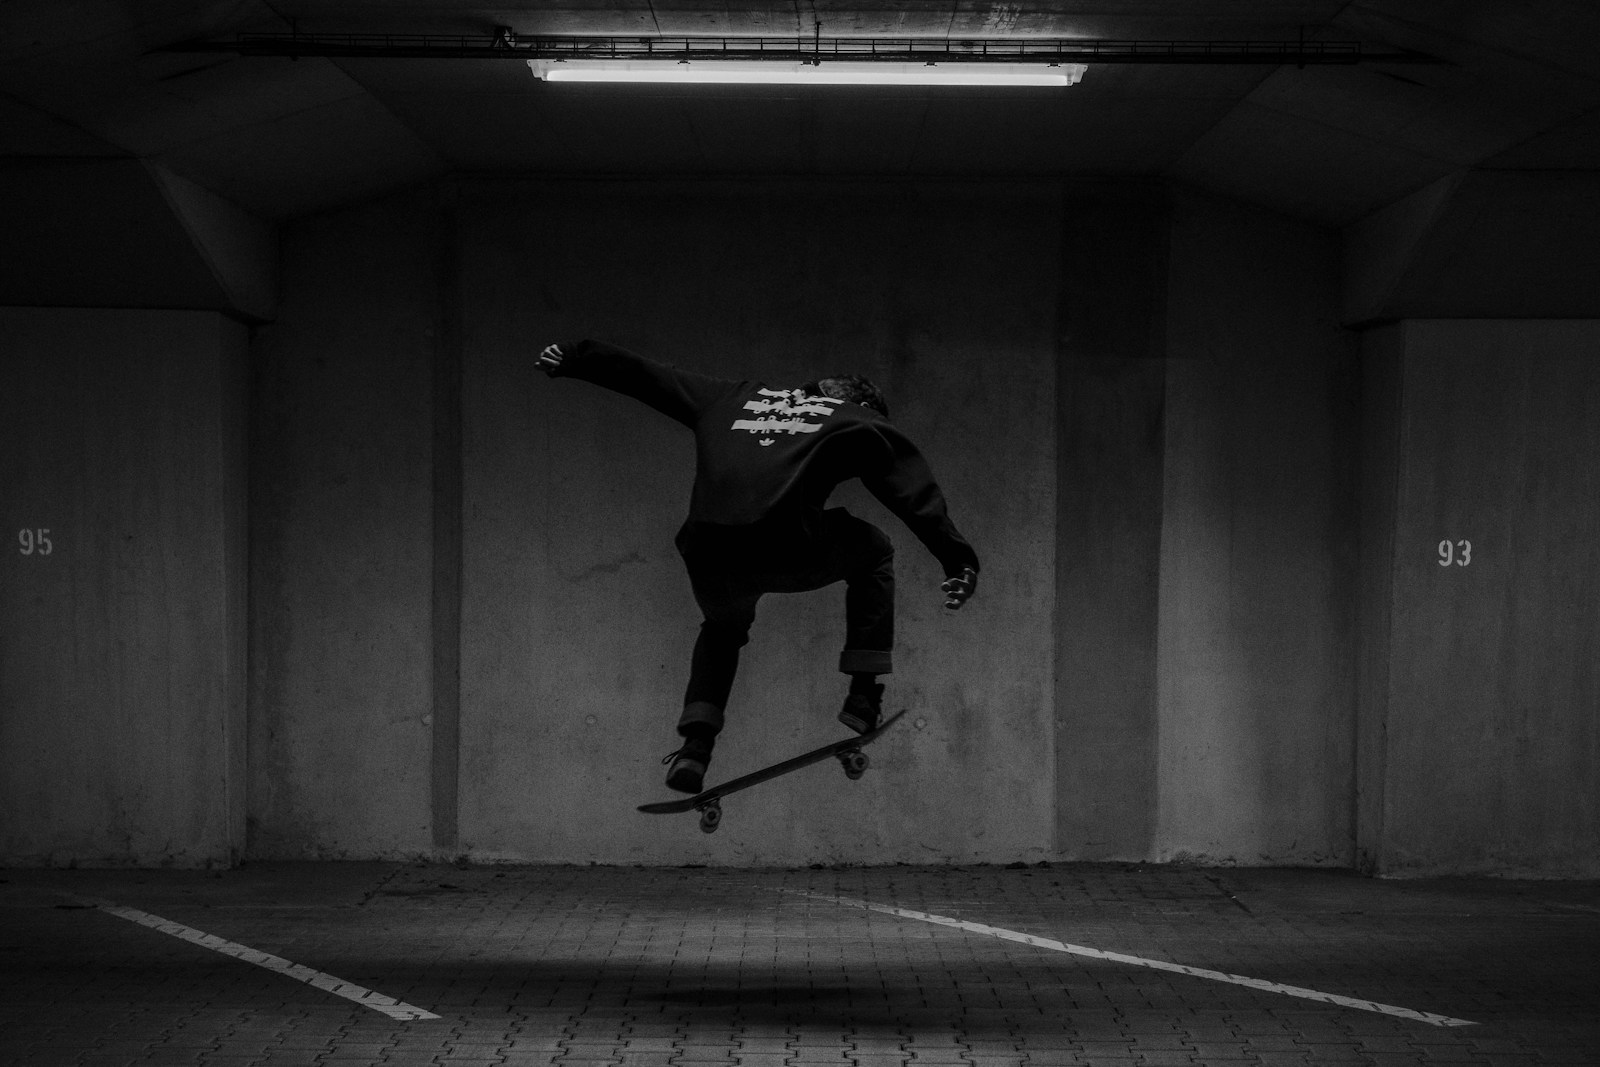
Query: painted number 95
(34,541)
(1457,552)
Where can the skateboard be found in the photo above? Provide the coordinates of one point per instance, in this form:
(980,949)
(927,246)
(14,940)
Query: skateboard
(709,802)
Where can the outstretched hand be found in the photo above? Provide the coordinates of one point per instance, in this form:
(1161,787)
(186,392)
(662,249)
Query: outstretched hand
(957,591)
(550,358)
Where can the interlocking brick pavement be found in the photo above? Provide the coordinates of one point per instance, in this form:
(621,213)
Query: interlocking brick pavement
(630,967)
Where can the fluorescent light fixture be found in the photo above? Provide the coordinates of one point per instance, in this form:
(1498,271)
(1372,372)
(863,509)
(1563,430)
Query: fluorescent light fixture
(788,72)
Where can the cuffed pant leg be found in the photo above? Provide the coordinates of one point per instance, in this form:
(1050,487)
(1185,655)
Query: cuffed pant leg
(866,661)
(713,666)
(700,713)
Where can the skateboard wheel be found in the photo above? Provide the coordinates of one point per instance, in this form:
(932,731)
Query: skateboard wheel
(855,763)
(710,817)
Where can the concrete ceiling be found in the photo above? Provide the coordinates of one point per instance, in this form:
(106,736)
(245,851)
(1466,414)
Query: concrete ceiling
(283,138)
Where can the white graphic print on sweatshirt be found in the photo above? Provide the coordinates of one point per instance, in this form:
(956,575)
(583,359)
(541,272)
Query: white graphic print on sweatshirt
(778,414)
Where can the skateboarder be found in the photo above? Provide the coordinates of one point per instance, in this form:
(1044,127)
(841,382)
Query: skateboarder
(766,461)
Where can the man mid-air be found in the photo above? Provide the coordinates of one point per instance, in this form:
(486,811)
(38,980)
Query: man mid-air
(766,462)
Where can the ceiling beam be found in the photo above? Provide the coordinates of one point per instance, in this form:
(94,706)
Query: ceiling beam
(505,44)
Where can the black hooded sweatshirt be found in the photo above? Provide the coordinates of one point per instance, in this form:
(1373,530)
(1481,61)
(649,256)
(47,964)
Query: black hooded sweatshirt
(762,452)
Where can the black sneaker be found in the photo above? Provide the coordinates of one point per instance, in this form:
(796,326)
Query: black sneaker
(862,710)
(689,763)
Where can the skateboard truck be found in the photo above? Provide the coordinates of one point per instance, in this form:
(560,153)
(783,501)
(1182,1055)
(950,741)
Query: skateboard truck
(854,761)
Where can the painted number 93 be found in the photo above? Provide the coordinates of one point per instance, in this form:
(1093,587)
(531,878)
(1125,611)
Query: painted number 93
(1457,552)
(34,542)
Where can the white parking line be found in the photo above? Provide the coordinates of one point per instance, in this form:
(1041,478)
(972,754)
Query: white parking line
(350,991)
(1140,961)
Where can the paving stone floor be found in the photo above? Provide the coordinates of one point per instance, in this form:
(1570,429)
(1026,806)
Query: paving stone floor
(650,967)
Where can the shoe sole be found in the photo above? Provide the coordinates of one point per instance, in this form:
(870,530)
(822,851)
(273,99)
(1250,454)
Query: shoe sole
(687,776)
(856,723)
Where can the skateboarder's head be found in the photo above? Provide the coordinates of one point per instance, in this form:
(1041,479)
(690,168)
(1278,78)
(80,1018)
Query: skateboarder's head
(855,389)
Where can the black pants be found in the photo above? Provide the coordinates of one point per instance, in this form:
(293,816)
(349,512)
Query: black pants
(731,567)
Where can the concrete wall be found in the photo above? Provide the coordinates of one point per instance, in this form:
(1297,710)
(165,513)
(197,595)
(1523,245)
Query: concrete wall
(432,509)
(1479,705)
(1382,364)
(565,605)
(1255,658)
(341,543)
(1200,635)
(577,619)
(1206,625)
(121,648)
(1110,438)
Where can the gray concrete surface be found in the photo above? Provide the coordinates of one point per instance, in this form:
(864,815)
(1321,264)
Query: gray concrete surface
(653,967)
(1204,630)
(122,653)
(1110,440)
(1256,618)
(577,618)
(341,542)
(1492,755)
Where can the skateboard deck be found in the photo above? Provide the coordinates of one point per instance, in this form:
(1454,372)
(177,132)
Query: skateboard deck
(709,802)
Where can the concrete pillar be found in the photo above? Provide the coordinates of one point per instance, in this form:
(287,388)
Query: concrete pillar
(1111,380)
(122,652)
(1258,537)
(341,551)
(1484,698)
